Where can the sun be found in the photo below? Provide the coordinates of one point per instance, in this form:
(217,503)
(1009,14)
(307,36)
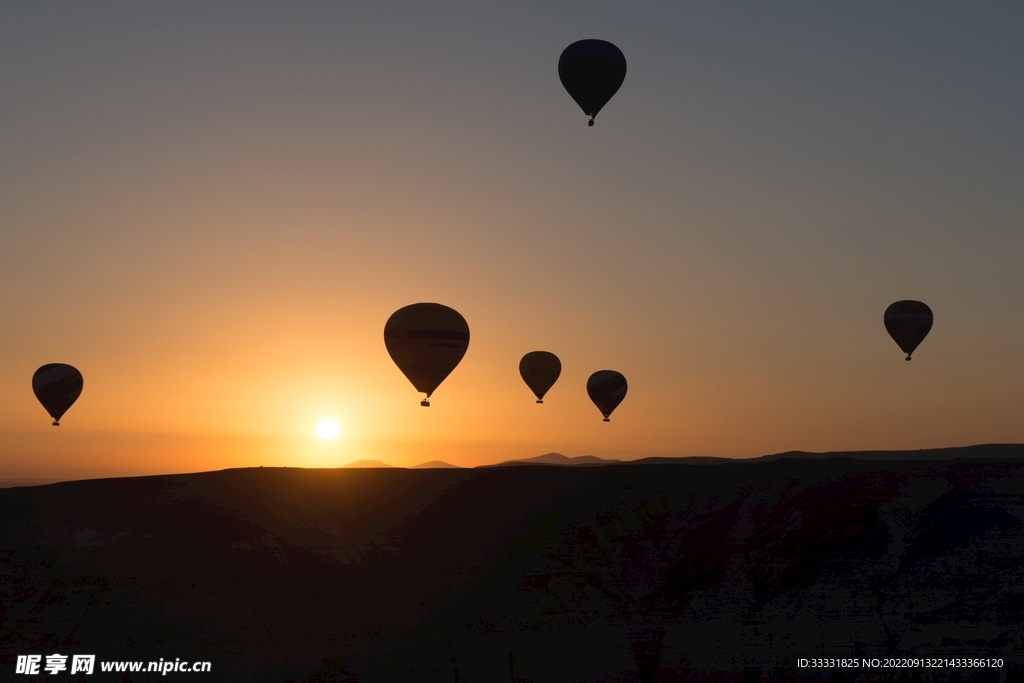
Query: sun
(328,428)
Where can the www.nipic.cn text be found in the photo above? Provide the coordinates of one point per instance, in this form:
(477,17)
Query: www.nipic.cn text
(35,665)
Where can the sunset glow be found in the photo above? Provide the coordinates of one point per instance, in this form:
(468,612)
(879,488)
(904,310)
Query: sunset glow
(212,218)
(327,428)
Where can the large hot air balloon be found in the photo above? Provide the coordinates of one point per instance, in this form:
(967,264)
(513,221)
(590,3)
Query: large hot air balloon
(426,341)
(606,388)
(539,370)
(57,386)
(908,323)
(592,71)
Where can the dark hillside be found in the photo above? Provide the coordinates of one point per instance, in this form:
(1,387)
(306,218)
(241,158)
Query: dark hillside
(683,571)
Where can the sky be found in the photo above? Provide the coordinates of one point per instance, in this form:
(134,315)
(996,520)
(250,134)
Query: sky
(212,208)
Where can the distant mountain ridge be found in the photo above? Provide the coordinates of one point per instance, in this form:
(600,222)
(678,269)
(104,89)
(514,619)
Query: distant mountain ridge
(997,451)
(980,451)
(557,459)
(990,450)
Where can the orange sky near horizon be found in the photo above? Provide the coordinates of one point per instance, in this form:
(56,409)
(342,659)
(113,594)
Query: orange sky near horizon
(213,216)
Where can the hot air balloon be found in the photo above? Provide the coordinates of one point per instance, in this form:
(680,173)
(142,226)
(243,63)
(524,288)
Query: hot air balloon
(592,71)
(426,341)
(57,386)
(539,370)
(606,388)
(908,323)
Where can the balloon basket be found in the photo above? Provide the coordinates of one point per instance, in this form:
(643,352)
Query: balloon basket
(606,420)
(56,424)
(540,401)
(425,403)
(590,122)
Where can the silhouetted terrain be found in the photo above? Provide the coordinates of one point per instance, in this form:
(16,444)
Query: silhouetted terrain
(559,459)
(679,572)
(367,463)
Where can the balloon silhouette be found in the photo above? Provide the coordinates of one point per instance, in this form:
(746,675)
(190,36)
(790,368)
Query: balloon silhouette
(540,370)
(606,388)
(57,386)
(908,323)
(426,341)
(592,71)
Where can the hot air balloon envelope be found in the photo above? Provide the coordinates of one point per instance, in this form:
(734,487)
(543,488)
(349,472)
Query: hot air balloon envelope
(908,323)
(606,388)
(592,71)
(57,386)
(426,341)
(539,370)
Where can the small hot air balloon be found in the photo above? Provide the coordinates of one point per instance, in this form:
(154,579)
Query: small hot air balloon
(426,341)
(908,323)
(592,71)
(57,386)
(606,388)
(540,370)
